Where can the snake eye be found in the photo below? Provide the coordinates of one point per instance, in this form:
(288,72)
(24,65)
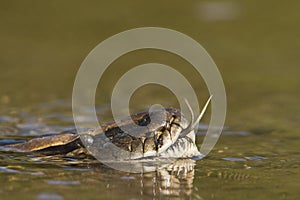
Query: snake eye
(144,121)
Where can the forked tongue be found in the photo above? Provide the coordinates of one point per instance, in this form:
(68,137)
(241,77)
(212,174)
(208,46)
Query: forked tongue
(192,125)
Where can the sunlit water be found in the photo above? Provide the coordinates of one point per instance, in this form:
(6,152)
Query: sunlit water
(242,166)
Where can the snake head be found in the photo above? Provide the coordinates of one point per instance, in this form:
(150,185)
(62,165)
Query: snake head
(167,133)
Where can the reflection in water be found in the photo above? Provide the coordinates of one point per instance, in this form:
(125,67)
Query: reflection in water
(174,180)
(170,180)
(167,180)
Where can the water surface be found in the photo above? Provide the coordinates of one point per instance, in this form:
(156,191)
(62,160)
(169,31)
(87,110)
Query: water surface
(255,45)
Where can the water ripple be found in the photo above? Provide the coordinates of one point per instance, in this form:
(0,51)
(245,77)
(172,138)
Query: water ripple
(49,196)
(58,182)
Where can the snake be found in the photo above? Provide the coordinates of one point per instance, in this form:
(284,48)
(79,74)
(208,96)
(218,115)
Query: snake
(165,133)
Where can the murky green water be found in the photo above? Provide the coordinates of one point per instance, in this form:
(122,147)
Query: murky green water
(255,45)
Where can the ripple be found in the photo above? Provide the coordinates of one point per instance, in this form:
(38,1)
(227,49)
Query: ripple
(256,158)
(7,170)
(58,182)
(9,141)
(14,171)
(235,159)
(49,196)
(6,130)
(127,178)
(8,119)
(77,169)
(242,133)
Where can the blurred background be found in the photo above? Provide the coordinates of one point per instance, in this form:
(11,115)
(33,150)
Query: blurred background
(255,45)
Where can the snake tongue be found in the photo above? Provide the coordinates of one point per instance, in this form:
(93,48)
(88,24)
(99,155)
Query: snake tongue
(193,124)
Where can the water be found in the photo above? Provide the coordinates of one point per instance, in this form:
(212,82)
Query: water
(255,46)
(242,165)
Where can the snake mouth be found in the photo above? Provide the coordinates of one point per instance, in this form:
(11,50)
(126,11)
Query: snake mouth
(184,147)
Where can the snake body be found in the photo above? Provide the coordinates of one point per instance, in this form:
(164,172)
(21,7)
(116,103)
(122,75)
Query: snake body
(162,133)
